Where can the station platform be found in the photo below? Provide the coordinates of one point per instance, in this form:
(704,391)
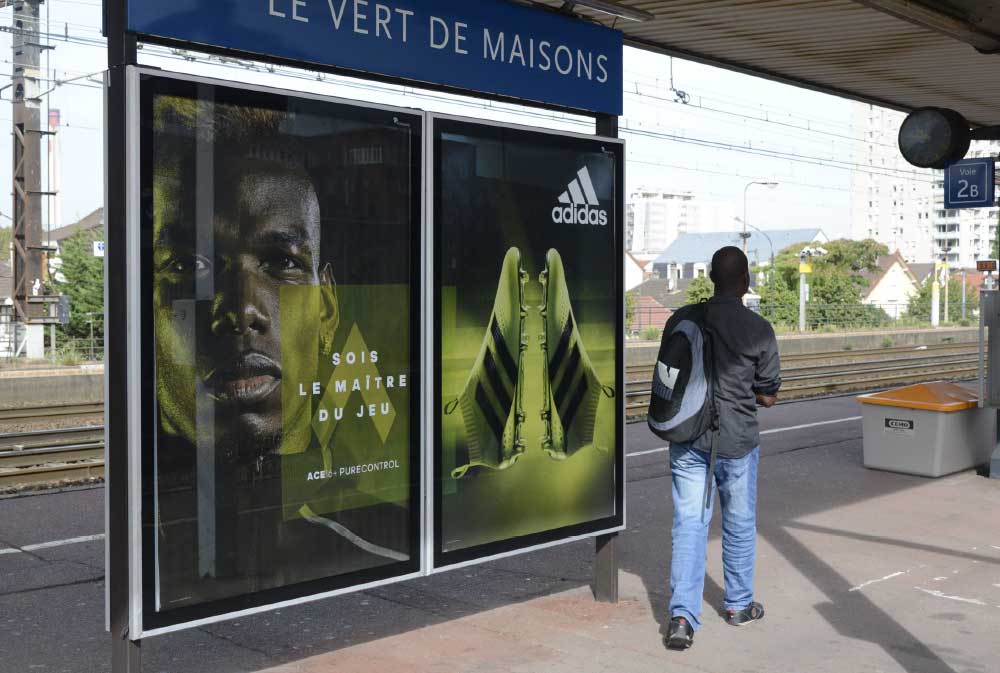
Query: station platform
(859,571)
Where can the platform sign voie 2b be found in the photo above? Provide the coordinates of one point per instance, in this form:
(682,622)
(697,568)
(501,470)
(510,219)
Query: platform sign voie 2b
(970,183)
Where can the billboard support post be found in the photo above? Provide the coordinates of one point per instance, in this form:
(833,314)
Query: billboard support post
(606,569)
(605,586)
(125,652)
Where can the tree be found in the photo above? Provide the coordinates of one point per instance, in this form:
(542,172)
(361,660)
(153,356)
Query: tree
(920,306)
(780,305)
(836,284)
(631,304)
(84,283)
(855,256)
(699,290)
(6,234)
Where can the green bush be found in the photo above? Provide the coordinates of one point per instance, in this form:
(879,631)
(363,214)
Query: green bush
(887,343)
(69,356)
(651,333)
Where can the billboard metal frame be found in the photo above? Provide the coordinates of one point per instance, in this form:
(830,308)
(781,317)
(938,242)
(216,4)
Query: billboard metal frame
(430,488)
(138,401)
(123,430)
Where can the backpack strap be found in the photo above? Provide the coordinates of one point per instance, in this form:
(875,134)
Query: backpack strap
(716,427)
(711,468)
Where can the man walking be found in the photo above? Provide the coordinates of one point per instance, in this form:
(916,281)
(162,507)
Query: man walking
(746,374)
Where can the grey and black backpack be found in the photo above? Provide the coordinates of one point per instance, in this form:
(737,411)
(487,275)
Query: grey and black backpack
(682,406)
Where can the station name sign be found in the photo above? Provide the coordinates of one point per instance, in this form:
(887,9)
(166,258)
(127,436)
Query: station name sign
(487,46)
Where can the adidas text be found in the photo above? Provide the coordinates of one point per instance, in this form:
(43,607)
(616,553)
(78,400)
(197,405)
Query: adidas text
(580,215)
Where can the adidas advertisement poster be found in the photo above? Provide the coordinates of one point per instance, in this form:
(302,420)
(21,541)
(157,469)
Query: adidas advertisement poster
(528,262)
(281,259)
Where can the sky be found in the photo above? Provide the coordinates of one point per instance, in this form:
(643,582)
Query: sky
(734,129)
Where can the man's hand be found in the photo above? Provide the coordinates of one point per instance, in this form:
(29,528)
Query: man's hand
(766,401)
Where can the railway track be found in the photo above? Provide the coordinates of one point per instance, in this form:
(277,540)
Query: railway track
(51,456)
(23,414)
(829,374)
(76,454)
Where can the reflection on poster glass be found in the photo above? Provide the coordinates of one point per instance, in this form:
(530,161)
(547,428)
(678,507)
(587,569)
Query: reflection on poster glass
(279,234)
(528,319)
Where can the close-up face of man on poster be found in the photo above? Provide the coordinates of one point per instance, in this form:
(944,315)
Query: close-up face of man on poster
(236,230)
(282,445)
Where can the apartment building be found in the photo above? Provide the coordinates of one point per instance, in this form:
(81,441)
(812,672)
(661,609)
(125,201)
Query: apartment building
(903,206)
(655,219)
(892,201)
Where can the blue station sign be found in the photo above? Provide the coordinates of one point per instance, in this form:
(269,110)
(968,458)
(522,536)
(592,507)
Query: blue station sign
(487,46)
(970,183)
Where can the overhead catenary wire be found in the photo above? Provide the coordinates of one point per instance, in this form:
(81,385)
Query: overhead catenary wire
(99,42)
(768,117)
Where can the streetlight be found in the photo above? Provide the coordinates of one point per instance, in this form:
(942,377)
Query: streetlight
(771,269)
(769,185)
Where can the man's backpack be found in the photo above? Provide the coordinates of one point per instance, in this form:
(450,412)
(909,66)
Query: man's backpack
(682,405)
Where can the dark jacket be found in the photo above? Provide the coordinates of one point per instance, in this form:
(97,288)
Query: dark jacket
(746,363)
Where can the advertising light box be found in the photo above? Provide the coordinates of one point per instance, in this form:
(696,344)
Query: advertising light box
(528,342)
(293,271)
(280,283)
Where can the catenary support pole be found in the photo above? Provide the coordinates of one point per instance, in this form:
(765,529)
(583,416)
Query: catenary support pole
(947,291)
(964,292)
(28,253)
(606,555)
(125,652)
(936,300)
(802,301)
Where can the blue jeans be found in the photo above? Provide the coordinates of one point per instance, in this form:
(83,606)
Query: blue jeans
(736,482)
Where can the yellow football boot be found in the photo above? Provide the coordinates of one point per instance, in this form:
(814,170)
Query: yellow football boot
(572,393)
(491,403)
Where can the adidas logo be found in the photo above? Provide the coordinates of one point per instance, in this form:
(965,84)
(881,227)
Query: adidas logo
(580,203)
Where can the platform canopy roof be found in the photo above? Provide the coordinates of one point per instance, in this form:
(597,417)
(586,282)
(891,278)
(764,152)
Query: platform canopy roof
(902,54)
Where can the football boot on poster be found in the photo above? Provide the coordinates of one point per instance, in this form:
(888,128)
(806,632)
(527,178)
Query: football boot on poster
(491,406)
(576,405)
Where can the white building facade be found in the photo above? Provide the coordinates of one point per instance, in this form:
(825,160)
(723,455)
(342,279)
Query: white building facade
(891,201)
(656,218)
(903,206)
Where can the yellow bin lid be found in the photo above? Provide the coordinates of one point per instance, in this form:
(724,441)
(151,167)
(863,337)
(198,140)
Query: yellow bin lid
(937,396)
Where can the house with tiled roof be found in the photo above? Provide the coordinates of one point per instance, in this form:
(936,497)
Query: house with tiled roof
(922,272)
(92,221)
(891,286)
(637,271)
(656,301)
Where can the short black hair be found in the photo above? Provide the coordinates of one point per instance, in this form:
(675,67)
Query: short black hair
(730,268)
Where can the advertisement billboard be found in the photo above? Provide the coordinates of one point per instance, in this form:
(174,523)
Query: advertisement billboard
(528,338)
(280,284)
